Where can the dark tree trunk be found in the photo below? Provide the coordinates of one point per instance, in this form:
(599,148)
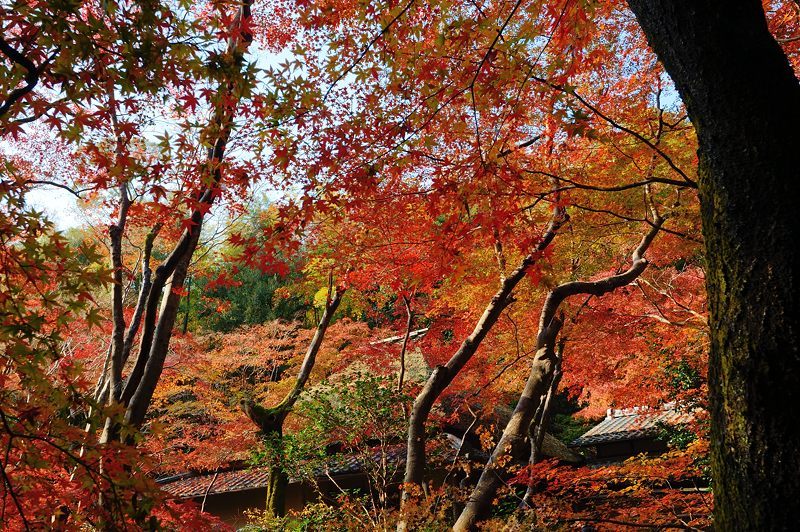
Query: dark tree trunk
(744,101)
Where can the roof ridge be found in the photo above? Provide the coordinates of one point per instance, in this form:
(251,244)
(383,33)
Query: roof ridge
(643,409)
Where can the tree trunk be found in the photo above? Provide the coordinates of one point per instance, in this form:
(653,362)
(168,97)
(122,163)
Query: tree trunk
(270,425)
(270,420)
(515,439)
(744,100)
(271,428)
(442,376)
(170,275)
(143,394)
(538,426)
(276,491)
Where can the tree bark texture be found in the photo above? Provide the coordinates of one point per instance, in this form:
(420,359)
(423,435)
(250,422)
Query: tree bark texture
(115,233)
(540,421)
(744,101)
(276,491)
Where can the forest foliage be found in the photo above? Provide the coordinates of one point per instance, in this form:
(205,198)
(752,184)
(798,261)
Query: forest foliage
(270,190)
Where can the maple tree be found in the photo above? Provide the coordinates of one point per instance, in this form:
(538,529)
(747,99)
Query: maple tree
(52,473)
(543,378)
(114,156)
(270,419)
(147,368)
(486,32)
(198,410)
(95,94)
(486,179)
(455,164)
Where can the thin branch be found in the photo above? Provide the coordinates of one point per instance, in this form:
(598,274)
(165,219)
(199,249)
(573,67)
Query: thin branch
(509,151)
(7,481)
(409,323)
(366,49)
(631,219)
(31,77)
(688,181)
(208,490)
(77,193)
(616,188)
(478,72)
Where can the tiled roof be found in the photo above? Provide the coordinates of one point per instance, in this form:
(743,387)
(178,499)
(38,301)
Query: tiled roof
(225,482)
(196,485)
(632,424)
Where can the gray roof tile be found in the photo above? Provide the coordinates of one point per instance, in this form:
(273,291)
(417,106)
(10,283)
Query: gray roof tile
(632,424)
